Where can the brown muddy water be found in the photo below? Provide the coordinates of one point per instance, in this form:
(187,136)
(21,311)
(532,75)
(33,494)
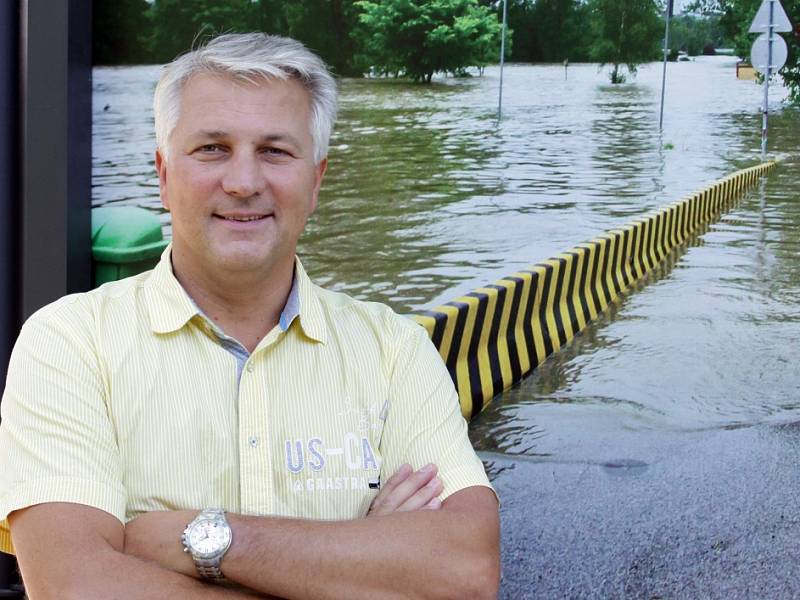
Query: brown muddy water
(427,196)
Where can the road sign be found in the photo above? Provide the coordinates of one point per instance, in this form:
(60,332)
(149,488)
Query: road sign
(759,55)
(769,52)
(780,20)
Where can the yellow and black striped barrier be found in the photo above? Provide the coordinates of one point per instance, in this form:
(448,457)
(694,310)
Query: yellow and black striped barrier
(493,336)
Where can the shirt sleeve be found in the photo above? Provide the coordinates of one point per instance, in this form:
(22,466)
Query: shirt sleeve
(425,424)
(57,442)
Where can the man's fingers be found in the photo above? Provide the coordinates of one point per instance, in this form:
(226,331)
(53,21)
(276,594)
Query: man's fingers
(434,504)
(407,490)
(423,496)
(399,477)
(388,488)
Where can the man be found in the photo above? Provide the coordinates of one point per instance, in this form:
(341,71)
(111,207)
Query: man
(225,395)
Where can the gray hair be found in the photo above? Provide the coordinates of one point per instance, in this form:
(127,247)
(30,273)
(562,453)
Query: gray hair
(250,57)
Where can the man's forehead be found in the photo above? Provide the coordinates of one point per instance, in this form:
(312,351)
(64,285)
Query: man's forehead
(205,82)
(212,103)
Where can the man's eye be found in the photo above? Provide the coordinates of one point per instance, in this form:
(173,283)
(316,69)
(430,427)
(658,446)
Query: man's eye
(275,152)
(210,148)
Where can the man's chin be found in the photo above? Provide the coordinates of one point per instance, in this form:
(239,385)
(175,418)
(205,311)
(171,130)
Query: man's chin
(249,260)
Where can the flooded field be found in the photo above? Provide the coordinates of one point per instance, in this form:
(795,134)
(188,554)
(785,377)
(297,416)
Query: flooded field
(427,196)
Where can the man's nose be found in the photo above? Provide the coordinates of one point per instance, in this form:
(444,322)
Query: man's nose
(243,177)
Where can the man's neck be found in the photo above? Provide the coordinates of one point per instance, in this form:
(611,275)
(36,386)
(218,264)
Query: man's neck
(244,305)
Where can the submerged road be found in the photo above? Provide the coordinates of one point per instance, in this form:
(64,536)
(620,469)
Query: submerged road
(704,514)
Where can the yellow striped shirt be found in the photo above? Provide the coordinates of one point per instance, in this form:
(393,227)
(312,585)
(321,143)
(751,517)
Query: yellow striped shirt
(125,398)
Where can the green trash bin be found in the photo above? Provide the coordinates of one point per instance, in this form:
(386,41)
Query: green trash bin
(126,240)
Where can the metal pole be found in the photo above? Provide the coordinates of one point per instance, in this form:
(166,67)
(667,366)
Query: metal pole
(55,150)
(765,108)
(9,176)
(9,223)
(502,60)
(664,71)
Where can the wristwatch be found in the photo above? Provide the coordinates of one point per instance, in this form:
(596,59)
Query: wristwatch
(207,538)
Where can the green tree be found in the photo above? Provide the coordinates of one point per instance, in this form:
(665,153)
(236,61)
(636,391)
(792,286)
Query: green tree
(694,34)
(736,17)
(520,14)
(417,38)
(561,25)
(119,31)
(328,27)
(178,24)
(546,30)
(624,33)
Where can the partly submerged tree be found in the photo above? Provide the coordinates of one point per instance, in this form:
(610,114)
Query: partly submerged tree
(624,33)
(417,38)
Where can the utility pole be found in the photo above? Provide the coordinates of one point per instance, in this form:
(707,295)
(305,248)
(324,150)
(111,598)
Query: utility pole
(667,15)
(502,60)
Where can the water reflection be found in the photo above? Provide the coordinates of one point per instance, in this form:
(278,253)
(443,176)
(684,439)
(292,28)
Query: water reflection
(397,174)
(422,178)
(624,119)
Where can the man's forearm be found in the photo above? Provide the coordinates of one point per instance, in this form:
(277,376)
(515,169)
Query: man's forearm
(423,554)
(448,553)
(107,573)
(71,551)
(132,578)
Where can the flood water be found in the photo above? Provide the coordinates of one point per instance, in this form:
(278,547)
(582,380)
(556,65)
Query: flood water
(427,196)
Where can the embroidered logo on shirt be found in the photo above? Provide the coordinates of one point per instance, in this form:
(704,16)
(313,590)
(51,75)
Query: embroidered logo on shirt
(313,454)
(311,457)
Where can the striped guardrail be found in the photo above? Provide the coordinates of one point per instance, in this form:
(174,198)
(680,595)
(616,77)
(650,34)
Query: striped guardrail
(495,335)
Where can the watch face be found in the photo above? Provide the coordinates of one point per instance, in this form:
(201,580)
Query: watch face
(208,538)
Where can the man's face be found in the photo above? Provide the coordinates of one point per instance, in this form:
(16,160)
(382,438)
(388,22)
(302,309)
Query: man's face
(240,179)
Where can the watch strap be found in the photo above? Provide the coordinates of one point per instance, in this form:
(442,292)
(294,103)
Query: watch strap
(208,568)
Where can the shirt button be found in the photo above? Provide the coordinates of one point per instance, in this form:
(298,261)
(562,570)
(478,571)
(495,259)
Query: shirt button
(250,367)
(253,441)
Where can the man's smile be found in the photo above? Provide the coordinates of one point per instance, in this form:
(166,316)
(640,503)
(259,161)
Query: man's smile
(241,217)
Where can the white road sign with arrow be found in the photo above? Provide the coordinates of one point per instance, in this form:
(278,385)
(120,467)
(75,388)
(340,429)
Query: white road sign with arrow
(780,20)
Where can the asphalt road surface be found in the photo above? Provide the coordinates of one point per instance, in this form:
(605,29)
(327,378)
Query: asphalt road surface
(705,514)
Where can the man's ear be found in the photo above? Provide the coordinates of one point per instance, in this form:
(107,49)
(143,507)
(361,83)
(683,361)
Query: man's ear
(161,169)
(319,173)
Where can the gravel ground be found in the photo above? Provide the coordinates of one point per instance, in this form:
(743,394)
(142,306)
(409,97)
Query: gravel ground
(706,514)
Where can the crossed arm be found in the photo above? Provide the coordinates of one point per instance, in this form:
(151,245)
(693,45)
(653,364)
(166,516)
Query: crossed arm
(410,545)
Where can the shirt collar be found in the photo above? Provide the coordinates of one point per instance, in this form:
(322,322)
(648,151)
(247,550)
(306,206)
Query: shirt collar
(312,318)
(170,307)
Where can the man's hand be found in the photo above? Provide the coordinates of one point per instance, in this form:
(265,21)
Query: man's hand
(408,490)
